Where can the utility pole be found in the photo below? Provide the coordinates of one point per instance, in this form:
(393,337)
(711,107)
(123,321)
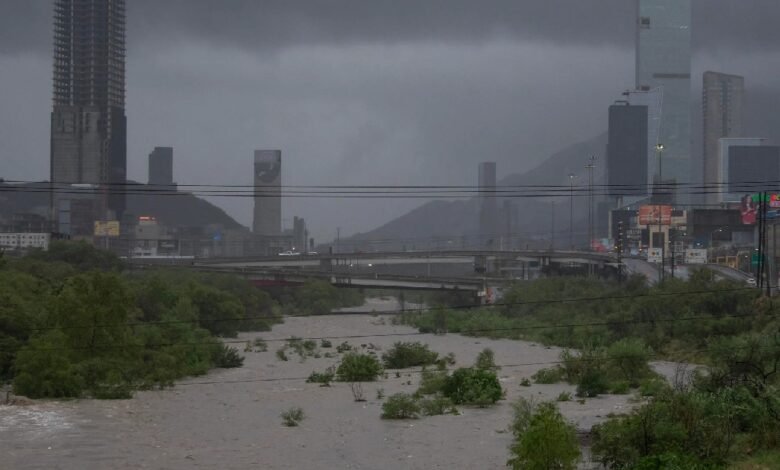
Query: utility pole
(590,167)
(552,229)
(571,210)
(620,252)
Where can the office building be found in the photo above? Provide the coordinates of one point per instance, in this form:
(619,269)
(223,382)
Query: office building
(627,154)
(88,124)
(753,169)
(728,189)
(268,186)
(161,166)
(722,102)
(300,235)
(488,207)
(663,61)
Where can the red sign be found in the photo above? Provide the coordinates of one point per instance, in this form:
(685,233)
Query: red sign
(655,215)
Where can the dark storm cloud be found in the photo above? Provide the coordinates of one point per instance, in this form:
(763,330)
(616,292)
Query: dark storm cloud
(274,24)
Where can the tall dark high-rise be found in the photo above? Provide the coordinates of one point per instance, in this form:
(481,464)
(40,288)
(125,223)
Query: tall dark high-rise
(161,166)
(88,123)
(268,186)
(627,151)
(722,101)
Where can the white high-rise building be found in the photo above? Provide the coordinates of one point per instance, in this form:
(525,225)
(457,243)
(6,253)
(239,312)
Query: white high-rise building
(663,61)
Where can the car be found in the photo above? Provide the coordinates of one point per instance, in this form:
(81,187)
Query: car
(751,282)
(289,253)
(312,253)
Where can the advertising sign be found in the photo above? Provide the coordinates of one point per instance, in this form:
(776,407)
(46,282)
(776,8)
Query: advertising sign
(695,256)
(655,215)
(107,229)
(634,234)
(654,255)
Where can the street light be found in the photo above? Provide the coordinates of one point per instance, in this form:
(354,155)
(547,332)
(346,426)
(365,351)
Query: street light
(659,148)
(572,176)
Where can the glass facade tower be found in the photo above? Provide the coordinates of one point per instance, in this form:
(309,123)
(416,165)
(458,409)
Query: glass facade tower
(663,61)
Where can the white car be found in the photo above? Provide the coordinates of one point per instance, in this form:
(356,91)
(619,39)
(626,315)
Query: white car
(289,253)
(751,282)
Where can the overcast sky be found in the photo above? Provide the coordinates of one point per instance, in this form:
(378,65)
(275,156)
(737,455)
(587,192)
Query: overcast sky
(363,91)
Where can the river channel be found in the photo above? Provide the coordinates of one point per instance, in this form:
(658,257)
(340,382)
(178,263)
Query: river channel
(229,419)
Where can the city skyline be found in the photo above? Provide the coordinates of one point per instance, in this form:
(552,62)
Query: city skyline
(366,133)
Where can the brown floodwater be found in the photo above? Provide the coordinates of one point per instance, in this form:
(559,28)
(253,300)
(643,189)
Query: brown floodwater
(230,419)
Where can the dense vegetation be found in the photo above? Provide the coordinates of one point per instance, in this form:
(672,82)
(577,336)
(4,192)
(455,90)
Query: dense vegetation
(542,438)
(727,412)
(75,322)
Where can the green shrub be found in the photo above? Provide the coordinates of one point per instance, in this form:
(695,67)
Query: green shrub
(400,406)
(552,375)
(619,387)
(525,382)
(564,396)
(281,354)
(323,378)
(292,417)
(592,383)
(438,405)
(355,367)
(468,386)
(324,343)
(227,358)
(403,355)
(546,442)
(486,360)
(432,382)
(653,386)
(629,359)
(343,347)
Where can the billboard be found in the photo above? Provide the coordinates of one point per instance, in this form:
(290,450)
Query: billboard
(107,229)
(655,215)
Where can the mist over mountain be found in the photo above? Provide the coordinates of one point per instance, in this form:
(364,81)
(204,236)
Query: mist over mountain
(183,209)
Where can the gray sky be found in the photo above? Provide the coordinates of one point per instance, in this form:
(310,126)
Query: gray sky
(363,92)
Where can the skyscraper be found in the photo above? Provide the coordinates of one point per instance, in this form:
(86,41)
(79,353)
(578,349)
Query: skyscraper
(161,166)
(268,185)
(488,207)
(627,151)
(663,61)
(722,99)
(88,123)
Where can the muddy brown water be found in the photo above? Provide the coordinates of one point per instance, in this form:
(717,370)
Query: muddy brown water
(230,419)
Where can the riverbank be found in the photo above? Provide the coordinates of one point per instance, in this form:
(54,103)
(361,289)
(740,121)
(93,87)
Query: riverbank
(230,418)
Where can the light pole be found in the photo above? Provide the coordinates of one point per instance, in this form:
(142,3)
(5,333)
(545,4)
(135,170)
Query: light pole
(572,176)
(712,241)
(590,167)
(659,148)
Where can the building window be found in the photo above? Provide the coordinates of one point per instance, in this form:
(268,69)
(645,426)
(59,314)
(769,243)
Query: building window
(644,22)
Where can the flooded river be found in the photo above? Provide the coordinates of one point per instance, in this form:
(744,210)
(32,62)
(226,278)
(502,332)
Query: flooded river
(230,419)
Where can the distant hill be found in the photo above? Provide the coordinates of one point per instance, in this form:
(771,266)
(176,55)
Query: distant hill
(439,219)
(183,209)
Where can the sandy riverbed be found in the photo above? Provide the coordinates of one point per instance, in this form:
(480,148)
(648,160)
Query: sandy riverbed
(233,421)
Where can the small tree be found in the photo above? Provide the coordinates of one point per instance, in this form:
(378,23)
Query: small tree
(468,386)
(400,406)
(356,367)
(546,442)
(486,360)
